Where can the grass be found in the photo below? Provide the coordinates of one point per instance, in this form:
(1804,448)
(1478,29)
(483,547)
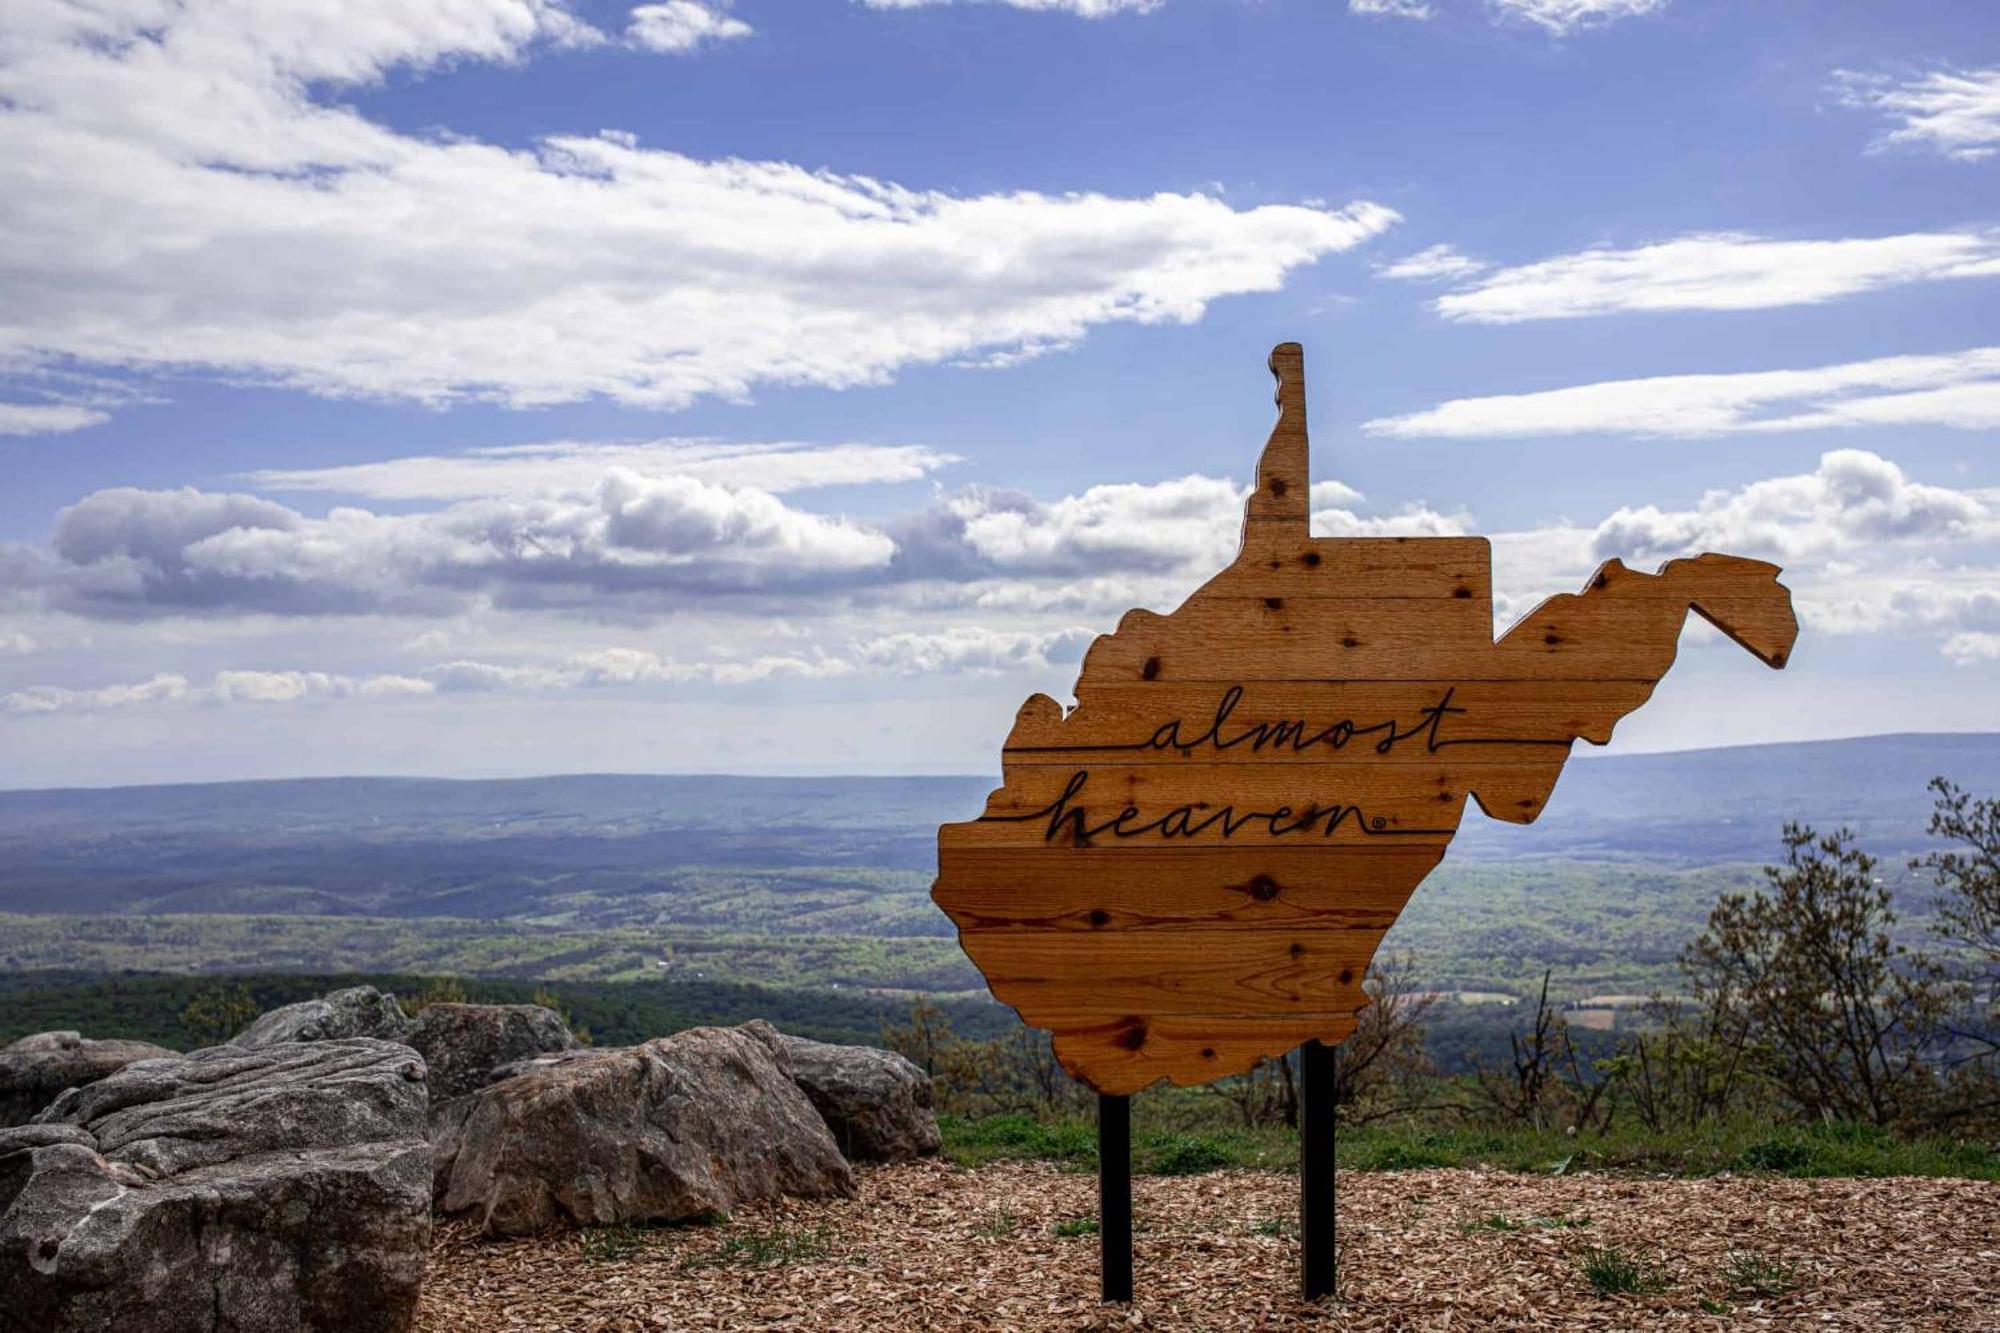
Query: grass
(1751,1145)
(1072,1143)
(1491,1222)
(1612,1272)
(1750,1274)
(1076,1226)
(753,1247)
(611,1245)
(998,1226)
(1275,1226)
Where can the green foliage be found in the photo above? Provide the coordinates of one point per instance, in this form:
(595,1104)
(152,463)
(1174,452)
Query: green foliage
(1610,1271)
(611,1245)
(1018,1137)
(1190,1155)
(218,1013)
(998,1227)
(753,1247)
(1810,979)
(1491,1222)
(438,990)
(1076,1226)
(1274,1226)
(1751,1274)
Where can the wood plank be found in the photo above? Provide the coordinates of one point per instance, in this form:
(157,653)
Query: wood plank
(1123,1053)
(996,889)
(1141,722)
(1166,805)
(1245,970)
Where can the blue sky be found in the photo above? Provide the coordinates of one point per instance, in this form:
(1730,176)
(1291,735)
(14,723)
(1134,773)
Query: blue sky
(855,362)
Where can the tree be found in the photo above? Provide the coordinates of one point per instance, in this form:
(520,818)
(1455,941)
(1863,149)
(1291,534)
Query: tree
(1547,1082)
(1969,906)
(1383,1069)
(219,1013)
(1846,1017)
(1968,914)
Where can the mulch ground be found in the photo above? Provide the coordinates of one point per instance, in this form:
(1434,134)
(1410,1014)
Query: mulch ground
(934,1247)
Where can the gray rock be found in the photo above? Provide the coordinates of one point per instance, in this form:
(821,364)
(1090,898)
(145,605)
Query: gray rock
(34,1069)
(877,1103)
(682,1126)
(465,1043)
(278,1188)
(358,1011)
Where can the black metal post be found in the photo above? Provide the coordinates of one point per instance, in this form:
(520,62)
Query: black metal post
(1114,1196)
(1316,1202)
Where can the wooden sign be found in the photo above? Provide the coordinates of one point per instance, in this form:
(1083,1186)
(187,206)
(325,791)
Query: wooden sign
(1192,868)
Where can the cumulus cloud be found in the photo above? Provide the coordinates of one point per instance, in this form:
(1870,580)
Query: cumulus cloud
(182,188)
(1973,647)
(1853,499)
(1948,111)
(47,418)
(564,465)
(1439,263)
(135,550)
(1562,17)
(972,648)
(676,27)
(1714,271)
(1959,390)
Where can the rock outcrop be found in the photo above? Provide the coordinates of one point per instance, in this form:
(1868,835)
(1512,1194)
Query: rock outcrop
(876,1103)
(676,1128)
(465,1043)
(358,1011)
(34,1069)
(284,1187)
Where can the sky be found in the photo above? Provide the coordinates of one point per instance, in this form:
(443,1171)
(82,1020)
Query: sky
(501,387)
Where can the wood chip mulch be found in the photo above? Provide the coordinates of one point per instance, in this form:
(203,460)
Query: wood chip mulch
(933,1247)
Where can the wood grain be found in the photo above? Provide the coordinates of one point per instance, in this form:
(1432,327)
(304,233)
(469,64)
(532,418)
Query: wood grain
(1192,869)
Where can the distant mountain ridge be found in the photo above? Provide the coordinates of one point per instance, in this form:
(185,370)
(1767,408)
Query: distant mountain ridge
(420,846)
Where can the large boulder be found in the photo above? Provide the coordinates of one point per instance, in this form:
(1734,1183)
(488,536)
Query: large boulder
(877,1103)
(677,1128)
(34,1069)
(465,1043)
(358,1011)
(281,1188)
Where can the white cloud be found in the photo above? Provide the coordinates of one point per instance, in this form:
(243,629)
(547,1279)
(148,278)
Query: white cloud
(1853,500)
(58,699)
(1090,9)
(565,465)
(972,648)
(47,418)
(1973,647)
(1717,271)
(1562,17)
(181,188)
(611,667)
(676,27)
(1402,9)
(1959,390)
(1439,263)
(1953,112)
(126,550)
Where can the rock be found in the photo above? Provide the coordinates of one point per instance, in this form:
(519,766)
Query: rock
(877,1103)
(465,1043)
(34,1069)
(358,1011)
(279,1188)
(676,1128)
